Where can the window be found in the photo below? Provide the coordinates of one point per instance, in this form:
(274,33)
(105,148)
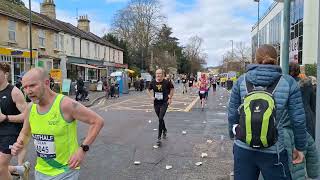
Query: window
(113,54)
(88,49)
(12,30)
(119,56)
(73,45)
(95,50)
(99,51)
(61,42)
(92,74)
(42,38)
(56,41)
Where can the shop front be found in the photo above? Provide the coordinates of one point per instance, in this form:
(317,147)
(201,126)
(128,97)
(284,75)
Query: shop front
(18,59)
(89,70)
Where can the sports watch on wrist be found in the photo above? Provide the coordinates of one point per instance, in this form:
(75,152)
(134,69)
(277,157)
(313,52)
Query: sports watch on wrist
(85,148)
(6,119)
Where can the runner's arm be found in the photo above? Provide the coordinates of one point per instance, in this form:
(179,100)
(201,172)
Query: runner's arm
(150,94)
(73,110)
(25,133)
(21,104)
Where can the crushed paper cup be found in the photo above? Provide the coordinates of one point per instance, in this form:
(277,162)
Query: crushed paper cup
(203,155)
(204,122)
(184,132)
(137,162)
(209,141)
(150,121)
(155,147)
(198,163)
(168,167)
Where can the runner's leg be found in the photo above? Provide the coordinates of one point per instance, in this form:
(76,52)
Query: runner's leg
(157,108)
(4,166)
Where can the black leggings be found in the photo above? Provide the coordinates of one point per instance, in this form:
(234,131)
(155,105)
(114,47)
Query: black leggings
(161,110)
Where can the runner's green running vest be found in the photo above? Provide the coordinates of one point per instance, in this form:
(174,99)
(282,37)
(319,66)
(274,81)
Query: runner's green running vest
(55,139)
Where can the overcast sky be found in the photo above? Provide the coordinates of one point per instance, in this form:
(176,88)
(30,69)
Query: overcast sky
(216,21)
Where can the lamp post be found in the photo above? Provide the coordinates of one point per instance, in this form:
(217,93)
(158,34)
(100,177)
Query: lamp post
(286,40)
(30,32)
(318,88)
(258,25)
(232,55)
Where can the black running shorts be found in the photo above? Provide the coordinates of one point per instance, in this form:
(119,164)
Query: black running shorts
(6,142)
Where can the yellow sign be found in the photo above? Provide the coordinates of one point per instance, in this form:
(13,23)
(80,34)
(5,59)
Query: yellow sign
(56,74)
(20,53)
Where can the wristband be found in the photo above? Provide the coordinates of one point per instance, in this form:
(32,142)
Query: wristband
(6,119)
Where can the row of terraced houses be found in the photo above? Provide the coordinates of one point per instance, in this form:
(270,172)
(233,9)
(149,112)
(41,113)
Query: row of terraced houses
(56,44)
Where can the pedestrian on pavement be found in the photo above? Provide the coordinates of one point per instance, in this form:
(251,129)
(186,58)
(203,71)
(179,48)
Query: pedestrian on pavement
(51,120)
(51,82)
(141,84)
(162,97)
(308,97)
(184,84)
(191,81)
(12,103)
(81,90)
(260,102)
(214,83)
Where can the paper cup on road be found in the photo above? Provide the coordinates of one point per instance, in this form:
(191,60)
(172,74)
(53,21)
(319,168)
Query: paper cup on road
(168,167)
(184,132)
(204,122)
(198,163)
(137,163)
(150,121)
(155,129)
(203,155)
(155,147)
(224,106)
(209,141)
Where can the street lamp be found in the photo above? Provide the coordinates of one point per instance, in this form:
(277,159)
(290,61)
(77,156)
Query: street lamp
(30,32)
(286,28)
(232,55)
(258,1)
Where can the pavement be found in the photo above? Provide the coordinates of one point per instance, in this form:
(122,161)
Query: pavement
(130,133)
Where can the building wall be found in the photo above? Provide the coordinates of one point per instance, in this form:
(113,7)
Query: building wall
(276,10)
(68,45)
(21,33)
(310,31)
(106,56)
(121,57)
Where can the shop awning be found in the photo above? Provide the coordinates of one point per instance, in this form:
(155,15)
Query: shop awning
(87,66)
(76,60)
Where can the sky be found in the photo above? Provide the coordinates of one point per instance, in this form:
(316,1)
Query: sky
(217,22)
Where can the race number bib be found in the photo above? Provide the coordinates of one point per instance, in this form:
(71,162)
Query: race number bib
(158,96)
(202,92)
(44,145)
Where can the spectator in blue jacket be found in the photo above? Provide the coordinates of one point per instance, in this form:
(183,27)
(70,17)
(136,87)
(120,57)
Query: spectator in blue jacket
(272,162)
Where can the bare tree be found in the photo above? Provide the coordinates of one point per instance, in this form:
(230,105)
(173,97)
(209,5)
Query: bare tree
(138,23)
(195,53)
(241,56)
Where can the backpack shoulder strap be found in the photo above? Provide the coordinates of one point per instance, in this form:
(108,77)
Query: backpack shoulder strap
(273,86)
(249,86)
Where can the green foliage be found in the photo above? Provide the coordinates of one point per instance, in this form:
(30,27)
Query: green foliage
(19,2)
(120,43)
(311,69)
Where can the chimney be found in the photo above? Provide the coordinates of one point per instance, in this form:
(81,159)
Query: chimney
(48,8)
(84,23)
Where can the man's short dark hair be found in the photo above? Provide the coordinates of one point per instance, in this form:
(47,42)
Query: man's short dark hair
(5,67)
